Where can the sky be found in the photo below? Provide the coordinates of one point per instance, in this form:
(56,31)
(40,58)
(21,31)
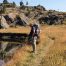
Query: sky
(59,5)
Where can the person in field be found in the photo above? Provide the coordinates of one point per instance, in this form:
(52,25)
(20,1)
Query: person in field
(34,35)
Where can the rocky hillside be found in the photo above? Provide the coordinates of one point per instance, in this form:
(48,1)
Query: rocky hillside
(32,12)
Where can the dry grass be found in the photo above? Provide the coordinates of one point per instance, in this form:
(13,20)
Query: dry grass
(57,53)
(16,30)
(50,52)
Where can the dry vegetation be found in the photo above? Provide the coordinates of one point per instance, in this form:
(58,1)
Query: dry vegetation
(50,52)
(16,30)
(52,49)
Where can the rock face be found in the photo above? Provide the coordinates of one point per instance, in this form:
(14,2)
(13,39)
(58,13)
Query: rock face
(2,63)
(13,19)
(12,15)
(23,17)
(19,21)
(30,13)
(52,19)
(4,23)
(3,45)
(1,8)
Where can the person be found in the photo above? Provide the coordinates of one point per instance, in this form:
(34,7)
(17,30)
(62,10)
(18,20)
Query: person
(35,31)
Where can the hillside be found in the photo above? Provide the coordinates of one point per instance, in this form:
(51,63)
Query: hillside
(31,14)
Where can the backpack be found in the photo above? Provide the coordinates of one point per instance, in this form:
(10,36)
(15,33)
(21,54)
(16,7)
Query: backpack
(36,29)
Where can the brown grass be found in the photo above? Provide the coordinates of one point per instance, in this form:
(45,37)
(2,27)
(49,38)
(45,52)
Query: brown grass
(16,30)
(50,52)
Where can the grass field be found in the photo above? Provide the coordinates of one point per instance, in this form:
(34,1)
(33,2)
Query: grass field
(51,51)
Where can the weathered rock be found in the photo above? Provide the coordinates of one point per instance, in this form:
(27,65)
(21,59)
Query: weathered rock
(4,23)
(3,45)
(2,63)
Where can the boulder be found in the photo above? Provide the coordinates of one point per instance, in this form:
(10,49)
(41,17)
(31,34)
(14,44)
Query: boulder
(4,23)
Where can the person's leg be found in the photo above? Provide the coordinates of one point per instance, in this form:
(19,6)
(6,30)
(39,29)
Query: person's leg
(34,44)
(38,39)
